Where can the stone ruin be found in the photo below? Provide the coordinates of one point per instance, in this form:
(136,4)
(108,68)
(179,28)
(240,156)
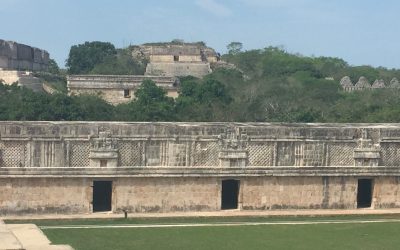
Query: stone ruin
(363,84)
(16,56)
(19,61)
(117,89)
(165,62)
(176,59)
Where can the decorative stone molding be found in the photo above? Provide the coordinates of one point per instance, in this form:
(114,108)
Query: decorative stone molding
(233,145)
(367,153)
(104,151)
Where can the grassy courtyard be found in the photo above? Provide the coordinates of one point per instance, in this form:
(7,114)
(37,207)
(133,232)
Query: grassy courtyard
(349,235)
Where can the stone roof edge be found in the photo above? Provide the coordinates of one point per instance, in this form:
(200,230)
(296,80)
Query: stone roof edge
(238,124)
(8,41)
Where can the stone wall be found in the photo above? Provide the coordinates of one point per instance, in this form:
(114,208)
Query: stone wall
(15,56)
(41,195)
(265,193)
(48,167)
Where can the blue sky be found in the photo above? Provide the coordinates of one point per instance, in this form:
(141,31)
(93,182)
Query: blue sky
(363,32)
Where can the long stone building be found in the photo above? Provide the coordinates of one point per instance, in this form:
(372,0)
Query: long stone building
(117,89)
(85,167)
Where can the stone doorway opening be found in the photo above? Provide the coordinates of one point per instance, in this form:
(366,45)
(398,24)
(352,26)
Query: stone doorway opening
(364,193)
(102,192)
(230,194)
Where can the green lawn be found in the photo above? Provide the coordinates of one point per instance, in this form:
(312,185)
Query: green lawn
(385,235)
(174,220)
(323,236)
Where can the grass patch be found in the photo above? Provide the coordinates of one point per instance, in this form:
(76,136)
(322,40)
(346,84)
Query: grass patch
(321,236)
(174,220)
(317,236)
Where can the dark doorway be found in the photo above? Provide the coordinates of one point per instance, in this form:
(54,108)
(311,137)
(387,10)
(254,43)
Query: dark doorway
(230,194)
(176,58)
(364,193)
(102,196)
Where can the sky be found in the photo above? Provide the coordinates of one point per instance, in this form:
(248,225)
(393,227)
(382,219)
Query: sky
(362,32)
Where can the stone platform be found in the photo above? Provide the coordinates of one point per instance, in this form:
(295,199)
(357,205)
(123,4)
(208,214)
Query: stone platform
(25,237)
(22,78)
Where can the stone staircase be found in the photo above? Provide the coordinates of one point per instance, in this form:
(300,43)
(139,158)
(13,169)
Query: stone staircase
(30,82)
(25,237)
(24,79)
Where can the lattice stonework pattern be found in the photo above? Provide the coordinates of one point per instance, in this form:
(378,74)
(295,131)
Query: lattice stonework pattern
(341,154)
(390,153)
(261,153)
(12,154)
(206,154)
(80,154)
(130,154)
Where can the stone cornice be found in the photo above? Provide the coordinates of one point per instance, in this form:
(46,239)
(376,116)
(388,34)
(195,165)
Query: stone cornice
(197,172)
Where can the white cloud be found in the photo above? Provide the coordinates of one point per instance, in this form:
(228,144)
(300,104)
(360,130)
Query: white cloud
(214,7)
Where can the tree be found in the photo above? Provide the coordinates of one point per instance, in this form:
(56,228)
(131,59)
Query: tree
(205,100)
(83,57)
(53,67)
(234,48)
(121,64)
(151,104)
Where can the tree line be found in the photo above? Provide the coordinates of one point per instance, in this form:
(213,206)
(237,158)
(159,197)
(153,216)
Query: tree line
(268,85)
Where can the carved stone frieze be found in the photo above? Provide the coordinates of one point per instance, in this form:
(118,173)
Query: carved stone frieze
(104,151)
(367,153)
(233,145)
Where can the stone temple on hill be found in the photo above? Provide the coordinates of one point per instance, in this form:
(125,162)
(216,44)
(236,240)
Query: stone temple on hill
(88,167)
(166,62)
(170,59)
